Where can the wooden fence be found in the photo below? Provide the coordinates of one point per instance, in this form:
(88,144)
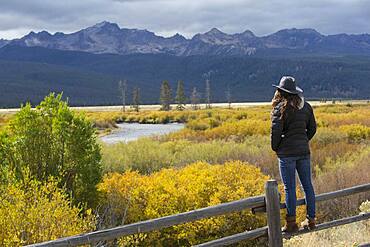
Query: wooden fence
(269,203)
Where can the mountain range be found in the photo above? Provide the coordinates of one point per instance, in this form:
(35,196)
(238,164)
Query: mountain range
(106,37)
(87,65)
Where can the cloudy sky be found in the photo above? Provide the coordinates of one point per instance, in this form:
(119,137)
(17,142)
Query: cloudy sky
(167,17)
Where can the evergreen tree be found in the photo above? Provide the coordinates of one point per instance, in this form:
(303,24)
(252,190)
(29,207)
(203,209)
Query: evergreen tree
(180,96)
(165,97)
(195,99)
(208,94)
(136,99)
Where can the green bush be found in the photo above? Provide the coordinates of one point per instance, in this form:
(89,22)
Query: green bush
(51,140)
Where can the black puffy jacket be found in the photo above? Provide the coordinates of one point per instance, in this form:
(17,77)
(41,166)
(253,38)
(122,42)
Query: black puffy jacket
(290,135)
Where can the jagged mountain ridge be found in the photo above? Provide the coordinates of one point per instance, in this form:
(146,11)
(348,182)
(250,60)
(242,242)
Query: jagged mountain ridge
(3,42)
(106,37)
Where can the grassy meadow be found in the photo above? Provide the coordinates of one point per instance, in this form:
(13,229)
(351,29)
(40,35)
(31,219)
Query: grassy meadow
(221,155)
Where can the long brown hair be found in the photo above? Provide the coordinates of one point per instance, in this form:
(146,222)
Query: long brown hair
(287,99)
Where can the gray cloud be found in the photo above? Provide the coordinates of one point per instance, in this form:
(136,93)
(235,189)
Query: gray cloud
(166,17)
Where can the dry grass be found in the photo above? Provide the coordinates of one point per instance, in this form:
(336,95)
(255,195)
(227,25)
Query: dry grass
(343,236)
(352,171)
(352,234)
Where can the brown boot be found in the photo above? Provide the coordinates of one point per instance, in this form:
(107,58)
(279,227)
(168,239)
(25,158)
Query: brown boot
(309,223)
(291,225)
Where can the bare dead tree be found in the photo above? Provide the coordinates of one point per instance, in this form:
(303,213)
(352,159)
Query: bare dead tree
(228,95)
(136,99)
(122,86)
(195,99)
(208,94)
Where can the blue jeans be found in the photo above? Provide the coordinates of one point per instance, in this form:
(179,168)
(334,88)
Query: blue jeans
(288,167)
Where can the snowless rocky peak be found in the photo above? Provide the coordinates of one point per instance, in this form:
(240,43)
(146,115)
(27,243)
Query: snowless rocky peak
(293,38)
(215,32)
(178,37)
(214,36)
(105,26)
(247,34)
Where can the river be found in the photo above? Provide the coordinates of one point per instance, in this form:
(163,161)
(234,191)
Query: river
(132,131)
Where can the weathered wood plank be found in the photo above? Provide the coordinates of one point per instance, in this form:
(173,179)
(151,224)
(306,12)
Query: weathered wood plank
(156,224)
(336,194)
(325,196)
(247,235)
(273,214)
(331,224)
(364,245)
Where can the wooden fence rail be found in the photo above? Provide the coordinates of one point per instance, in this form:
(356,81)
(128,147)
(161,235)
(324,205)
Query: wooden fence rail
(269,202)
(324,196)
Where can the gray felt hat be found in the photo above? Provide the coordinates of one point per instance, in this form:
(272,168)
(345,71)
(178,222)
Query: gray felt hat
(287,84)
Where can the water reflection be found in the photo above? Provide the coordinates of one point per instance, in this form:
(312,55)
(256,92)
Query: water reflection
(132,131)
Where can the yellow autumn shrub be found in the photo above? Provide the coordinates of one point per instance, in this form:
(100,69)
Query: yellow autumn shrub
(131,197)
(238,129)
(208,129)
(356,132)
(31,212)
(339,115)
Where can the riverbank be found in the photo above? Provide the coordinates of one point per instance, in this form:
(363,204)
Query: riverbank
(188,106)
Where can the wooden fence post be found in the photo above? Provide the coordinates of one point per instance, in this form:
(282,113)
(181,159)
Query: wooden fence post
(275,237)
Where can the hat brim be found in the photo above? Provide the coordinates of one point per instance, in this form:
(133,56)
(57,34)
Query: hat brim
(297,90)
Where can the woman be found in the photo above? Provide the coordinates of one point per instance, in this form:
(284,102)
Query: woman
(293,125)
